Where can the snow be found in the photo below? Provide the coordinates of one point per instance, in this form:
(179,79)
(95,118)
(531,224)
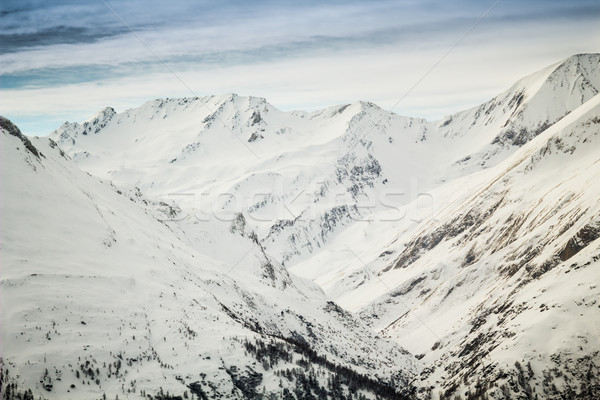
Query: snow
(89,274)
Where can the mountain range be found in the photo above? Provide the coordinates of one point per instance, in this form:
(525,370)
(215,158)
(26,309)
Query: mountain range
(218,247)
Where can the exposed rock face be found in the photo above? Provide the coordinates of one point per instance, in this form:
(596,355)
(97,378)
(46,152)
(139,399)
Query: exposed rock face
(585,236)
(12,129)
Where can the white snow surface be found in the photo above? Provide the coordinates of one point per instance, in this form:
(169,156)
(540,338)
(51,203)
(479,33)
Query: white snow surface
(91,277)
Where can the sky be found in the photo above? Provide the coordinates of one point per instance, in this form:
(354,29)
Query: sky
(64,60)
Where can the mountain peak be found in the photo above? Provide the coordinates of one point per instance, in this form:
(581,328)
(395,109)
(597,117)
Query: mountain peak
(532,104)
(105,114)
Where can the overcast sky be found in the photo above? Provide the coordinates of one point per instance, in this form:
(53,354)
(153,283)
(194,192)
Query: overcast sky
(66,59)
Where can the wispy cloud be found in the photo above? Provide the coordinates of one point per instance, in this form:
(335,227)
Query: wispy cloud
(71,58)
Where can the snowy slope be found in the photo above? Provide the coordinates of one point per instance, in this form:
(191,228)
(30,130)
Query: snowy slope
(100,297)
(477,287)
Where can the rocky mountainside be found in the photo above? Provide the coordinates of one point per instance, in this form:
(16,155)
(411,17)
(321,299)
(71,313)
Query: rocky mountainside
(498,292)
(471,242)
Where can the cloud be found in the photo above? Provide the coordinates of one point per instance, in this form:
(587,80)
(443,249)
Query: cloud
(71,59)
(14,42)
(89,34)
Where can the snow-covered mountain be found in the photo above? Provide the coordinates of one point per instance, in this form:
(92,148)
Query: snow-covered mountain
(511,119)
(101,298)
(301,177)
(471,241)
(297,176)
(499,291)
